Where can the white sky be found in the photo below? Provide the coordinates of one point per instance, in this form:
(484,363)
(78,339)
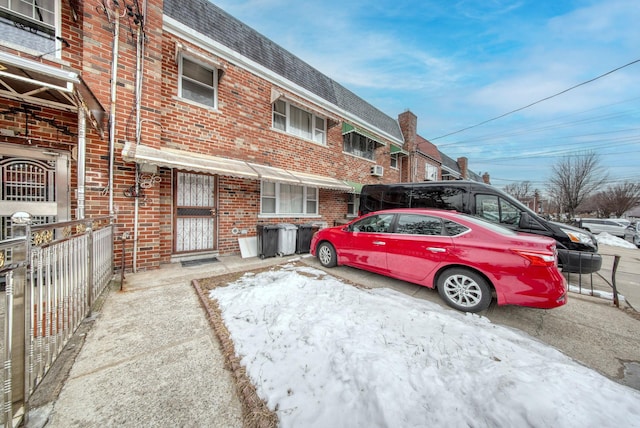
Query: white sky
(328,354)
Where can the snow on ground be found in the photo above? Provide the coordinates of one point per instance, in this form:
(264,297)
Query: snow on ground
(322,353)
(605,238)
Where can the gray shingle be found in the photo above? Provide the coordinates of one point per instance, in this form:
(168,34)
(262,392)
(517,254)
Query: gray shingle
(208,19)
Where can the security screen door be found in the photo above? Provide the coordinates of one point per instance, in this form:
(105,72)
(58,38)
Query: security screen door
(195,213)
(35,181)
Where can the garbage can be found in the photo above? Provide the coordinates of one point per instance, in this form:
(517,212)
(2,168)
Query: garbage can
(267,240)
(287,239)
(305,233)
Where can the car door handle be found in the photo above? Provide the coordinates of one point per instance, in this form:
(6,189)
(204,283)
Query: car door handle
(379,243)
(437,249)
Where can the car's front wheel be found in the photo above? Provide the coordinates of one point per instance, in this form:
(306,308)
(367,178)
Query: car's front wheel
(464,290)
(327,255)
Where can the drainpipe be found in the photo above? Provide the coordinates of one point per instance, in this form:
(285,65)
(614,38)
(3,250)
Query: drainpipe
(82,131)
(139,70)
(112,116)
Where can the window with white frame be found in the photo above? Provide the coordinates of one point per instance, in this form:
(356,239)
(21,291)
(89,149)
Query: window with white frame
(30,24)
(296,121)
(394,161)
(431,172)
(198,82)
(353,204)
(359,145)
(288,199)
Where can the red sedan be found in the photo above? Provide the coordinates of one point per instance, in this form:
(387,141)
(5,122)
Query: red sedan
(467,259)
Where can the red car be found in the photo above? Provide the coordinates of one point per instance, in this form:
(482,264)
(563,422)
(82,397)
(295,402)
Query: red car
(468,260)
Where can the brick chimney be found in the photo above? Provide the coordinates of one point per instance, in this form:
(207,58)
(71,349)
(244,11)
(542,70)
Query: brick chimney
(409,127)
(462,164)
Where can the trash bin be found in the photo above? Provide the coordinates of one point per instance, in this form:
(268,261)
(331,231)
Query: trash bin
(305,233)
(267,240)
(287,239)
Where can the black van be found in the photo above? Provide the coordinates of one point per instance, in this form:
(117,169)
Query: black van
(577,248)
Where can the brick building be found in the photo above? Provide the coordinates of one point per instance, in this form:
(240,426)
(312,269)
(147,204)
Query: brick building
(186,125)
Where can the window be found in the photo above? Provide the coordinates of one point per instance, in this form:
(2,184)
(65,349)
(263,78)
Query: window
(30,24)
(296,121)
(394,160)
(359,145)
(353,204)
(497,210)
(380,223)
(414,224)
(280,198)
(431,172)
(36,14)
(198,83)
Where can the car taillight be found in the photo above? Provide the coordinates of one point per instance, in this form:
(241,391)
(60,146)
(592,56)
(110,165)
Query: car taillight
(538,258)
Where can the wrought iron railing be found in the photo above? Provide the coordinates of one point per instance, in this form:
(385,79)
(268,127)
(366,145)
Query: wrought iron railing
(52,275)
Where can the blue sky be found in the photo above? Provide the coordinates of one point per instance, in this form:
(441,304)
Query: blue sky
(459,63)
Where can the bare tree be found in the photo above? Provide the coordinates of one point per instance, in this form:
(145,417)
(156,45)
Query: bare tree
(521,190)
(618,199)
(574,178)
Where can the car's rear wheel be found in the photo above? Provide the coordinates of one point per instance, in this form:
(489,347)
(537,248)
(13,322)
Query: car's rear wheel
(327,255)
(464,290)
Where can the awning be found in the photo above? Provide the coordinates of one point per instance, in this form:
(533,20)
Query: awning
(188,161)
(393,149)
(276,175)
(40,84)
(347,128)
(322,182)
(355,187)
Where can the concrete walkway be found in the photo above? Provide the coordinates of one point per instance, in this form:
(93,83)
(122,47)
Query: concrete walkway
(149,358)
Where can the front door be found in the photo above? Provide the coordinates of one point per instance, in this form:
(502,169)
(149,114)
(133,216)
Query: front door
(35,181)
(195,213)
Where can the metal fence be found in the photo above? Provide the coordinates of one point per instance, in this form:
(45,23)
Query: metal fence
(51,276)
(599,284)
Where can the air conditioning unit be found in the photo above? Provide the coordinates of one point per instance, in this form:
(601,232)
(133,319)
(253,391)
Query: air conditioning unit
(377,170)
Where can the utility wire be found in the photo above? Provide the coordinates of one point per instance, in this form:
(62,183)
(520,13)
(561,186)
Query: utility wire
(537,102)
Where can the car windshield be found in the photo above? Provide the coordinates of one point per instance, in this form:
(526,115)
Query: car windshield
(489,225)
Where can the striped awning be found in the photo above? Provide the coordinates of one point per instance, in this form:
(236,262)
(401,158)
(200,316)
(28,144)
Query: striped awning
(197,162)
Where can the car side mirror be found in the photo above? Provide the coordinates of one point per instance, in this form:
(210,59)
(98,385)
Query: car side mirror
(525,221)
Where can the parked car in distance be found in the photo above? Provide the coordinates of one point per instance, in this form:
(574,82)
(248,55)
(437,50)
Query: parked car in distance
(632,233)
(469,260)
(611,226)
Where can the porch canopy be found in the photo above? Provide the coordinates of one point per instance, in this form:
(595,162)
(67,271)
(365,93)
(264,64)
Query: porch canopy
(182,159)
(35,83)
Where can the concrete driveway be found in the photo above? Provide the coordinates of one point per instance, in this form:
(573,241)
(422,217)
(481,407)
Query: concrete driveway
(589,329)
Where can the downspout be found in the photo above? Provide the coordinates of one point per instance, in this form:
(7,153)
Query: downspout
(82,132)
(139,70)
(112,115)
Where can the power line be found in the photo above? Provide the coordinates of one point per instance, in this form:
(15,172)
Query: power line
(537,102)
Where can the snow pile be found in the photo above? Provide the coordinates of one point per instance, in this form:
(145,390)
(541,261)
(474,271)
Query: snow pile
(605,238)
(326,354)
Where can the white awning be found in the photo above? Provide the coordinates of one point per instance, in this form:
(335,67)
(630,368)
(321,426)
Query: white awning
(188,161)
(322,182)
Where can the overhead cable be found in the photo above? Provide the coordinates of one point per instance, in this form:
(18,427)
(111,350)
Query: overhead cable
(537,102)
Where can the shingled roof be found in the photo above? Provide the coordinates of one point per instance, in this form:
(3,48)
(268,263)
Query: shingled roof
(211,21)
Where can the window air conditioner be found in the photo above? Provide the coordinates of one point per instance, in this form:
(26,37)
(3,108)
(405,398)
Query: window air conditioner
(377,170)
